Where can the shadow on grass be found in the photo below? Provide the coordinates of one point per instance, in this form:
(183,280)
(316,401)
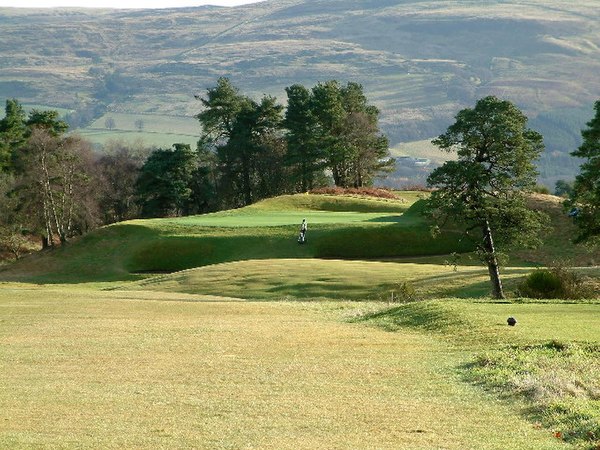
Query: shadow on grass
(430,316)
(96,257)
(128,252)
(386,219)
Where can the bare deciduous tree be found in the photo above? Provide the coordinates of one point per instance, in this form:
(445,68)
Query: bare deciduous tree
(56,185)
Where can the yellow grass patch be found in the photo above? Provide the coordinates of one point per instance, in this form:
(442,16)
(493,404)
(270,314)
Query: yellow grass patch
(92,369)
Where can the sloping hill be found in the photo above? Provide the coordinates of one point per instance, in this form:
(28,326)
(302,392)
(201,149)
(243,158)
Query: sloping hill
(420,61)
(342,227)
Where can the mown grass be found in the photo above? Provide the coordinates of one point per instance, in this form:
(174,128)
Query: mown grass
(548,364)
(181,360)
(340,227)
(150,122)
(106,368)
(90,369)
(277,279)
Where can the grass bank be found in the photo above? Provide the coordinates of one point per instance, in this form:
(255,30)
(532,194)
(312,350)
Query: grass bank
(339,226)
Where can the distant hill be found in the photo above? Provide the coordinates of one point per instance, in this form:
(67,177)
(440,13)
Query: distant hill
(420,61)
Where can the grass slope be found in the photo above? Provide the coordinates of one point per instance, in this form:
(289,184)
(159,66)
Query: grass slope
(547,364)
(277,279)
(280,279)
(338,227)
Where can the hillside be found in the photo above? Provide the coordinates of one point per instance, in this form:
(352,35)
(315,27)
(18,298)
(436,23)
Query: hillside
(342,227)
(420,61)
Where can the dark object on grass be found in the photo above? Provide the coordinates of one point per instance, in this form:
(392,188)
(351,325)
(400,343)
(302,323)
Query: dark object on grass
(511,321)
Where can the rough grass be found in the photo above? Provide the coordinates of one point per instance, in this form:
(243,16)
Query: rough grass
(88,369)
(557,245)
(549,362)
(561,382)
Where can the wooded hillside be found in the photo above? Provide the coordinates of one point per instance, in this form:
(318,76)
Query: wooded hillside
(419,61)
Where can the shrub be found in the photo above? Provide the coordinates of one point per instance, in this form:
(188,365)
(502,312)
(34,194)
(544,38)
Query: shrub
(555,282)
(541,189)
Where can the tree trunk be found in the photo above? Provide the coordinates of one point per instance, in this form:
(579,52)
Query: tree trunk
(247,185)
(492,262)
(305,175)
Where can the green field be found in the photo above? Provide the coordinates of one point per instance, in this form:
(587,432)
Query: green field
(246,339)
(422,149)
(157,130)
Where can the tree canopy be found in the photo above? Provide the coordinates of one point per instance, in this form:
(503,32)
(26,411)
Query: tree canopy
(483,191)
(13,130)
(164,183)
(329,130)
(586,189)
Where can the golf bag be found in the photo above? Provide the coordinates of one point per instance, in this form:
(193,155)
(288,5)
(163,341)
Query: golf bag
(302,237)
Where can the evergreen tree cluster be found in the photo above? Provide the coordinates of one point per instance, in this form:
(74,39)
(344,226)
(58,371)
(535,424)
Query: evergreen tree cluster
(261,149)
(585,193)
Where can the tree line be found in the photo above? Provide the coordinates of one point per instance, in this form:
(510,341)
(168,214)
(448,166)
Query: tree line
(53,185)
(327,134)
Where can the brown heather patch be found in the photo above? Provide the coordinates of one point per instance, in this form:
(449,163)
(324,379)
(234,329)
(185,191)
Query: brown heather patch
(363,191)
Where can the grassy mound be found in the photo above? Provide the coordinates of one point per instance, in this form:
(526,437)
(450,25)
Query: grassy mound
(276,279)
(409,236)
(310,278)
(339,226)
(342,227)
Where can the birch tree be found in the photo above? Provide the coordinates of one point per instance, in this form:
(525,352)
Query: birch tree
(55,185)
